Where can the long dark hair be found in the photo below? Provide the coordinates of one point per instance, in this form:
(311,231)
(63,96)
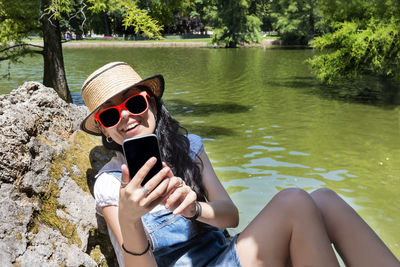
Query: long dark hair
(174,148)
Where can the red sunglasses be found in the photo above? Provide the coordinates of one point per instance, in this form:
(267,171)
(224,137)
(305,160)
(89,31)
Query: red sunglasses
(135,105)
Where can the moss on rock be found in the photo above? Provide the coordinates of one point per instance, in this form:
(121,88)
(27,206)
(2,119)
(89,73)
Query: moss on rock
(75,161)
(48,214)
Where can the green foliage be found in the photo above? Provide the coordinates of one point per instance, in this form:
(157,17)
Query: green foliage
(352,51)
(165,11)
(58,7)
(17,20)
(141,21)
(233,24)
(339,11)
(73,17)
(335,11)
(295,20)
(133,16)
(364,40)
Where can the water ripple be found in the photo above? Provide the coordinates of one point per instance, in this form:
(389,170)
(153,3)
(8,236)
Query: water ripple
(269,162)
(336,175)
(267,148)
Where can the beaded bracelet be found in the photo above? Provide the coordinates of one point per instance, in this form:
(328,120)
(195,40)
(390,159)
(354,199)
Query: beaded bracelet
(137,254)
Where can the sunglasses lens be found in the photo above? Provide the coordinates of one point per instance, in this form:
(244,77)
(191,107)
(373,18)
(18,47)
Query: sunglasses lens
(109,117)
(136,104)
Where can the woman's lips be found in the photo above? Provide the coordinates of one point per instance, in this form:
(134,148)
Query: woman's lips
(131,126)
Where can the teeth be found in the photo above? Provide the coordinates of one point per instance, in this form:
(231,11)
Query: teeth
(131,126)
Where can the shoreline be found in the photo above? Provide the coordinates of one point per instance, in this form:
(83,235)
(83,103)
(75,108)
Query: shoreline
(95,43)
(135,44)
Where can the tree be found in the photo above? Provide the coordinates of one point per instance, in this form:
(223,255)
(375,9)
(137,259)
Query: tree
(364,40)
(16,19)
(232,23)
(353,50)
(295,20)
(133,16)
(262,10)
(167,13)
(19,19)
(53,61)
(198,14)
(75,19)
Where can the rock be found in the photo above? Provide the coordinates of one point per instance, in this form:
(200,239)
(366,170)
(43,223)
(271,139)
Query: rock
(47,167)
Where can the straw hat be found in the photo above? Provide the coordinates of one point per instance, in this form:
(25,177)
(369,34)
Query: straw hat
(108,81)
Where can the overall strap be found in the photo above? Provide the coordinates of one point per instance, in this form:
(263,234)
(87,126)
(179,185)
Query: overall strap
(116,174)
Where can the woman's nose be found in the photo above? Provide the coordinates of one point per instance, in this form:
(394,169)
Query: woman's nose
(124,113)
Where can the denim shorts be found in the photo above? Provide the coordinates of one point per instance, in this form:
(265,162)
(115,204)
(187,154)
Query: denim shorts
(177,241)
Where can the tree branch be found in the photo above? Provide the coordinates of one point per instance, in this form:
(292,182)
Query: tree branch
(80,11)
(19,45)
(49,18)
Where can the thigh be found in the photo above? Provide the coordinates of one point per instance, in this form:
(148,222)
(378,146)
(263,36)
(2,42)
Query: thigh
(266,240)
(289,226)
(352,237)
(266,235)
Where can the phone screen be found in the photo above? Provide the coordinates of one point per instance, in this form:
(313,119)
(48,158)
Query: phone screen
(140,149)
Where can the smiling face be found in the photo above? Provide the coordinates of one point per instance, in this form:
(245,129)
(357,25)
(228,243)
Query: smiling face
(130,125)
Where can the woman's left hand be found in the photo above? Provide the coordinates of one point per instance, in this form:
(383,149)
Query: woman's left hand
(181,199)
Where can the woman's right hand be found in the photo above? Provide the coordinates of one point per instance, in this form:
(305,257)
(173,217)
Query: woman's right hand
(135,200)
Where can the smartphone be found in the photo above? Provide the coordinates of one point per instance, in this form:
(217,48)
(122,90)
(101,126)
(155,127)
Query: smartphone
(138,150)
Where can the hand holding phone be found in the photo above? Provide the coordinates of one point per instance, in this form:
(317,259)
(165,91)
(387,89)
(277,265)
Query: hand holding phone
(138,150)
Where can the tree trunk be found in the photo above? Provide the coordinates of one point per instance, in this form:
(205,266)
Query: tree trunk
(107,26)
(53,72)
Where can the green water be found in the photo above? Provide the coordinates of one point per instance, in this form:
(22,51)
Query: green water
(265,124)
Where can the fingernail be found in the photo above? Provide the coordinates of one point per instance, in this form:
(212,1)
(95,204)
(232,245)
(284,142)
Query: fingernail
(153,159)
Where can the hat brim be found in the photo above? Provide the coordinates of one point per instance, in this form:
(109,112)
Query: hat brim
(89,124)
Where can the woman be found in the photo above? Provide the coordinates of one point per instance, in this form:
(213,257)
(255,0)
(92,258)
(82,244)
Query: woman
(178,221)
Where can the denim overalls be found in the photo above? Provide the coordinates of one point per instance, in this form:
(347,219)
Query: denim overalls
(177,241)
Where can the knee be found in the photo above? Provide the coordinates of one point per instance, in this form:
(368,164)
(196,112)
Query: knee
(324,195)
(294,200)
(326,199)
(293,193)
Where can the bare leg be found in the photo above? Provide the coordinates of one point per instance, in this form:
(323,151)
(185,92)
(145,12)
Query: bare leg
(290,226)
(354,240)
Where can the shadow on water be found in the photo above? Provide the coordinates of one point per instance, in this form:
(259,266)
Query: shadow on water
(209,131)
(187,108)
(366,90)
(180,107)
(290,47)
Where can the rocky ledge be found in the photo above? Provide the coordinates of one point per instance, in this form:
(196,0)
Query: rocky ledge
(47,215)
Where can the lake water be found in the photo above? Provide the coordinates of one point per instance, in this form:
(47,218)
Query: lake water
(265,124)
